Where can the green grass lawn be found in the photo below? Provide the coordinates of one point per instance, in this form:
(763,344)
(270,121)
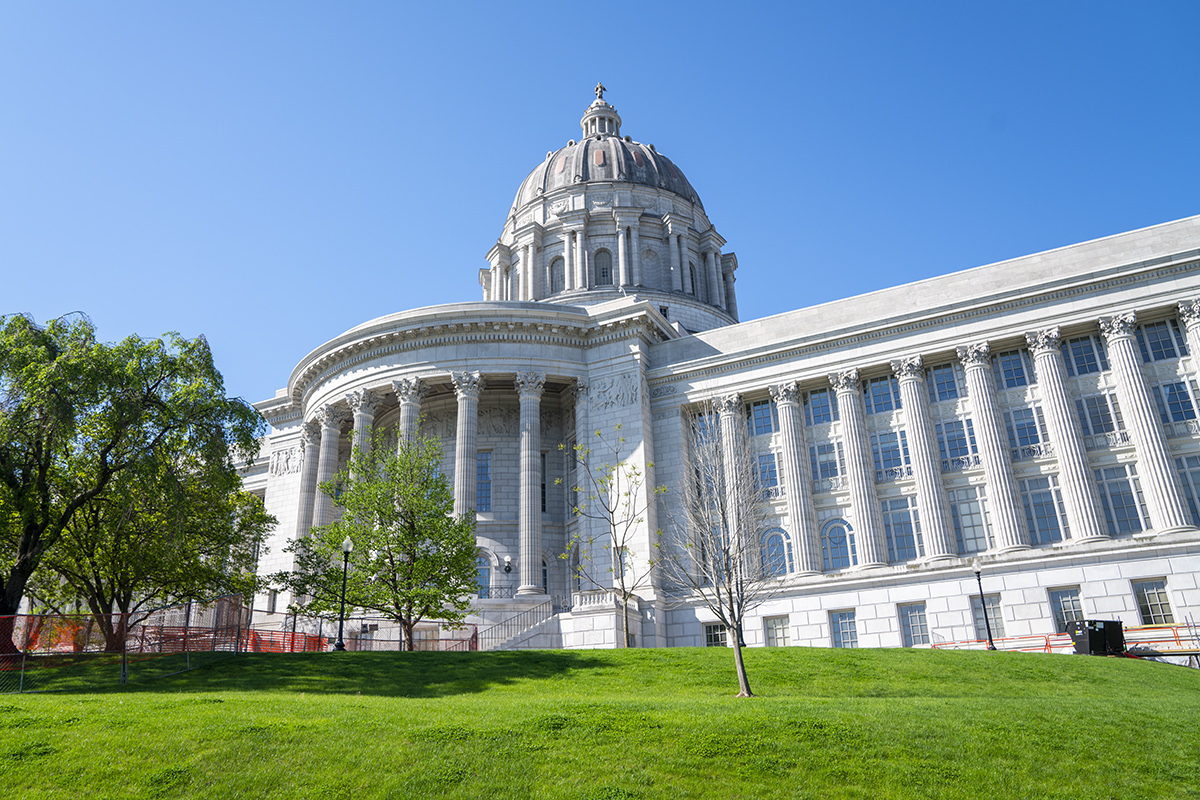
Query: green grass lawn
(602,725)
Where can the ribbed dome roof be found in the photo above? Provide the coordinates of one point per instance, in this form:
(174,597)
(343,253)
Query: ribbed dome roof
(604,156)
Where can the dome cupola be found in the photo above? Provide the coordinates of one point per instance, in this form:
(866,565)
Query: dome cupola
(600,119)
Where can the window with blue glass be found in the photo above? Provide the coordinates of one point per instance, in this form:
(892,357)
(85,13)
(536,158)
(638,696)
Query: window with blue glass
(1012,369)
(1189,480)
(966,514)
(903,529)
(842,629)
(1120,497)
(483,480)
(943,383)
(1174,402)
(890,450)
(1098,414)
(956,439)
(768,475)
(763,417)
(825,459)
(1023,428)
(1161,340)
(777,553)
(882,394)
(1044,513)
(483,576)
(838,547)
(820,406)
(1084,355)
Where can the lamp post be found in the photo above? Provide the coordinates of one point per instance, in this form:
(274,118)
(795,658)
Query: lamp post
(347,546)
(983,605)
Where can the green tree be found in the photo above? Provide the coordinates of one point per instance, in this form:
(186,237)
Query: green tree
(413,560)
(612,491)
(76,413)
(165,531)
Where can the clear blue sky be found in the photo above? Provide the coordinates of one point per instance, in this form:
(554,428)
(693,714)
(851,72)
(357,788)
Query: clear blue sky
(271,174)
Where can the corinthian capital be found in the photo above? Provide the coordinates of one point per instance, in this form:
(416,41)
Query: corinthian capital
(844,381)
(1044,341)
(975,355)
(530,384)
(409,390)
(1189,312)
(331,416)
(467,384)
(363,400)
(786,393)
(911,367)
(1119,325)
(729,404)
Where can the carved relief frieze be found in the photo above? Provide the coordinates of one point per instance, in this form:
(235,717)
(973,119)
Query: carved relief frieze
(438,425)
(621,390)
(663,391)
(498,421)
(286,462)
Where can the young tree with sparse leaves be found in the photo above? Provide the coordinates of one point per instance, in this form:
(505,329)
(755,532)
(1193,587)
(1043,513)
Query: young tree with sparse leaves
(412,558)
(612,492)
(713,550)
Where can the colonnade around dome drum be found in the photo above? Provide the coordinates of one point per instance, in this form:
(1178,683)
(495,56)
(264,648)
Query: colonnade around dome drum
(501,435)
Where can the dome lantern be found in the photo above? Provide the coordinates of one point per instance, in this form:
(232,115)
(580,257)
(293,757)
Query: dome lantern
(600,119)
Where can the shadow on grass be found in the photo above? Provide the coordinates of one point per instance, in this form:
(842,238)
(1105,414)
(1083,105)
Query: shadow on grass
(420,674)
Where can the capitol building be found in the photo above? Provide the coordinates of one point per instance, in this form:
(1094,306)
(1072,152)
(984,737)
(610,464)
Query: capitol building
(1035,418)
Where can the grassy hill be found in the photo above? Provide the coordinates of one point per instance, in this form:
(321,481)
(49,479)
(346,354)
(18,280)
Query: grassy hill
(605,725)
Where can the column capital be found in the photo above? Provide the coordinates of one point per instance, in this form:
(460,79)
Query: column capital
(1189,312)
(912,367)
(1047,340)
(785,393)
(975,355)
(580,389)
(310,432)
(530,384)
(729,404)
(363,400)
(467,384)
(844,381)
(1119,325)
(330,416)
(409,389)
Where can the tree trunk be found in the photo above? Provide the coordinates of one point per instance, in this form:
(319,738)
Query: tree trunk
(743,681)
(8,648)
(409,644)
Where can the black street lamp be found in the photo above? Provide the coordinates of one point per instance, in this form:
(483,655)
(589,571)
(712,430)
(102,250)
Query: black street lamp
(347,546)
(983,605)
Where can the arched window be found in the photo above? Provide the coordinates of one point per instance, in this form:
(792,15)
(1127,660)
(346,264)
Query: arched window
(604,276)
(483,576)
(692,273)
(776,553)
(557,276)
(545,578)
(837,545)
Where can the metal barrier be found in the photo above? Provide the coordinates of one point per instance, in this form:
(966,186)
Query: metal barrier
(1139,640)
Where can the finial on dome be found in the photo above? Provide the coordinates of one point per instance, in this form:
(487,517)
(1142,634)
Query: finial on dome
(600,119)
(600,90)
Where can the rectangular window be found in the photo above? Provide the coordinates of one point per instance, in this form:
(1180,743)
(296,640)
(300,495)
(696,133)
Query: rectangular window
(543,483)
(1022,424)
(1012,369)
(913,630)
(763,417)
(966,513)
(994,618)
(1044,513)
(903,529)
(1085,355)
(825,460)
(1121,497)
(842,629)
(483,480)
(1098,414)
(820,406)
(891,452)
(1152,602)
(956,439)
(768,476)
(272,600)
(1189,479)
(883,394)
(1065,606)
(715,635)
(1174,402)
(943,383)
(776,630)
(1161,340)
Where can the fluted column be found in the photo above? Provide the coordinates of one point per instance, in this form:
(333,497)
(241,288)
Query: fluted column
(676,273)
(1077,484)
(733,427)
(797,478)
(409,392)
(714,290)
(363,403)
(685,273)
(1189,315)
(860,471)
(467,386)
(529,389)
(636,254)
(310,442)
(331,420)
(993,448)
(582,261)
(931,497)
(1154,459)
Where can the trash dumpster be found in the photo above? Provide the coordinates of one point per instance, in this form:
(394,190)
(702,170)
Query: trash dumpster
(1098,637)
